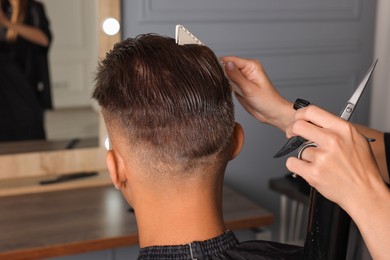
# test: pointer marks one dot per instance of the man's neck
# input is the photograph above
(190, 214)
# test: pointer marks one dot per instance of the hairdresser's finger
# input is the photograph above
(309, 154)
(319, 117)
(301, 168)
(246, 86)
(251, 69)
(307, 130)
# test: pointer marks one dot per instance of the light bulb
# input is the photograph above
(111, 26)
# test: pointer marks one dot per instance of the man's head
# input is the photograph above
(167, 107)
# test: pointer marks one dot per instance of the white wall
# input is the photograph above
(380, 98)
(316, 50)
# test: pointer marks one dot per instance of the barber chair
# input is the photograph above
(327, 224)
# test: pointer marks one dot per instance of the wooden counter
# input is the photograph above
(67, 222)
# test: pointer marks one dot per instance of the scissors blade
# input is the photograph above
(346, 113)
(296, 141)
(292, 144)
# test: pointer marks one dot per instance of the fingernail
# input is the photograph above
(230, 65)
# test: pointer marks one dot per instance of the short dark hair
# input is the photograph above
(171, 98)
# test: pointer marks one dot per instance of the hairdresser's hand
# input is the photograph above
(259, 97)
(342, 167)
(30, 33)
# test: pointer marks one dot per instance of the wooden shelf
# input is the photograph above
(31, 185)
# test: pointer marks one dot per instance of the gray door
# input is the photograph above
(311, 49)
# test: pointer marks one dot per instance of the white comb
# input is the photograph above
(184, 36)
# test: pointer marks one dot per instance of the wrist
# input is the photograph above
(366, 202)
(371, 217)
(285, 116)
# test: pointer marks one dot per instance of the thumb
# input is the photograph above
(241, 84)
(235, 74)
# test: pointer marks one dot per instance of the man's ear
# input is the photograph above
(238, 140)
(113, 169)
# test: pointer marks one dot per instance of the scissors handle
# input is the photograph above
(300, 152)
(304, 147)
(296, 141)
(300, 103)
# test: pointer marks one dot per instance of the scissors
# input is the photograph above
(296, 141)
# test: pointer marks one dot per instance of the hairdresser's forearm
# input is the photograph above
(378, 147)
(371, 214)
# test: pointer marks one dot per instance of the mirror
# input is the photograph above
(59, 160)
(73, 121)
(72, 59)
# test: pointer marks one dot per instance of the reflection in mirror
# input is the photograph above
(22, 170)
(73, 59)
(73, 122)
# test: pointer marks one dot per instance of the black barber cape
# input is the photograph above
(225, 246)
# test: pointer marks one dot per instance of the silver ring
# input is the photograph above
(301, 149)
(305, 146)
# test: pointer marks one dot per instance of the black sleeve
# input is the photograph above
(40, 56)
(40, 20)
(387, 150)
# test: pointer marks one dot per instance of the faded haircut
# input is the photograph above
(172, 101)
